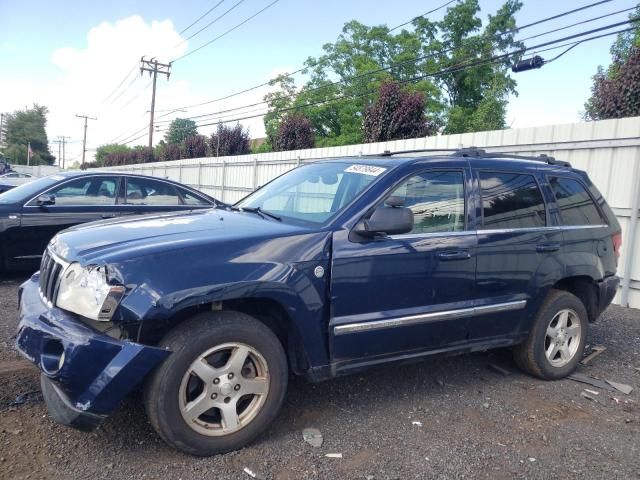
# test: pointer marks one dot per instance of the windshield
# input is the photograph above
(313, 193)
(28, 190)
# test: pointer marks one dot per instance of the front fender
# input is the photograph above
(268, 271)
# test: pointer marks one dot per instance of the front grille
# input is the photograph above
(50, 271)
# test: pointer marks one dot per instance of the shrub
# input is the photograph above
(229, 141)
(397, 114)
(294, 133)
(195, 147)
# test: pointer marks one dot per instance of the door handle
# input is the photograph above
(454, 255)
(547, 247)
(108, 215)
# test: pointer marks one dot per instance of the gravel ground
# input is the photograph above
(474, 423)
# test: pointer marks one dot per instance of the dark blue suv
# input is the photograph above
(333, 267)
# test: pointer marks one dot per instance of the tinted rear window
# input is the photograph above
(511, 200)
(575, 204)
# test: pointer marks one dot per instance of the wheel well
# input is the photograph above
(265, 310)
(585, 289)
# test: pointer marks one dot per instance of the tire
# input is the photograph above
(175, 394)
(540, 355)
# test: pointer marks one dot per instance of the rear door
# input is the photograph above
(516, 249)
(406, 294)
(77, 201)
(585, 232)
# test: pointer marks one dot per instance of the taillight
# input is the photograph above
(617, 243)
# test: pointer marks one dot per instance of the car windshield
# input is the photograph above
(27, 190)
(313, 193)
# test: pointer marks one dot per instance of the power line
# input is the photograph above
(202, 16)
(210, 23)
(395, 65)
(121, 82)
(122, 92)
(589, 20)
(563, 14)
(423, 15)
(301, 69)
(226, 32)
(144, 89)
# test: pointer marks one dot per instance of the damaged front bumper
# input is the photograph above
(85, 373)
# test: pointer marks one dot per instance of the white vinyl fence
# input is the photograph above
(608, 150)
(36, 170)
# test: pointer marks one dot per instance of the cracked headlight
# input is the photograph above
(86, 291)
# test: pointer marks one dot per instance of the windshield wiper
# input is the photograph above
(260, 212)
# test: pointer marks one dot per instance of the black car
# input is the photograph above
(31, 214)
(332, 267)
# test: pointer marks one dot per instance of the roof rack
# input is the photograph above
(475, 152)
(389, 153)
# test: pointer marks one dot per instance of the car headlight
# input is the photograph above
(86, 291)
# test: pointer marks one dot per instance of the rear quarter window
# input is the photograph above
(575, 204)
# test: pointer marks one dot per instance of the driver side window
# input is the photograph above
(86, 191)
(436, 199)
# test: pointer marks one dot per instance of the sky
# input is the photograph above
(81, 57)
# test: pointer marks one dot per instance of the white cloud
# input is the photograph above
(87, 76)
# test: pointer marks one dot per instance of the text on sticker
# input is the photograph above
(365, 170)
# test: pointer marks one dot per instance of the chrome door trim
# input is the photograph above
(427, 317)
(557, 228)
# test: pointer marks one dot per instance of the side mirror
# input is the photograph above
(46, 199)
(392, 219)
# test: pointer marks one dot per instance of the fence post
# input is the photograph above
(224, 170)
(200, 176)
(180, 173)
(255, 173)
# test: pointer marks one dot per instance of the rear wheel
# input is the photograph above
(556, 341)
(221, 387)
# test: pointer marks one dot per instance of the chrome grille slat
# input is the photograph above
(51, 269)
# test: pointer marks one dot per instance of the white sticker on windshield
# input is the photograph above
(365, 170)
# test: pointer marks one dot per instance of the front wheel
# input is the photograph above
(557, 338)
(221, 387)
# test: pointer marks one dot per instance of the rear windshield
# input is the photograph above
(26, 191)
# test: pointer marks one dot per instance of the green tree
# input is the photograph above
(476, 97)
(103, 151)
(28, 127)
(179, 130)
(281, 98)
(432, 58)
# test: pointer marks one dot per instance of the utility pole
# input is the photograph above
(59, 150)
(84, 139)
(153, 67)
(1, 129)
(62, 138)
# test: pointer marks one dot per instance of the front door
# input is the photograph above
(402, 295)
(77, 201)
